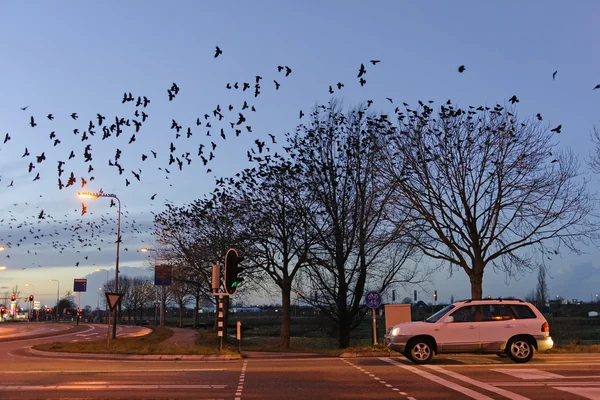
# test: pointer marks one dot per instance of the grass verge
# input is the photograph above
(150, 344)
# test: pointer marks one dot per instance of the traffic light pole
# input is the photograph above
(220, 321)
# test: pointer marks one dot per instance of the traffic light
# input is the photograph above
(30, 297)
(13, 297)
(232, 271)
(47, 309)
(3, 310)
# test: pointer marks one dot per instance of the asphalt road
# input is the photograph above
(568, 376)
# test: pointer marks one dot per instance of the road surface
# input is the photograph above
(27, 376)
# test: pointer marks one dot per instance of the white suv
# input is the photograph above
(500, 326)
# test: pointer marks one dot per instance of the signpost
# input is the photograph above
(112, 299)
(162, 277)
(373, 301)
(79, 285)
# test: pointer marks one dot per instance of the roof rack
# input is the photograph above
(496, 299)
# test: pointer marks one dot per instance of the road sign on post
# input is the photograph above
(373, 301)
(162, 275)
(112, 299)
(79, 285)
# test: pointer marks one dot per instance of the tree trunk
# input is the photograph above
(343, 335)
(284, 337)
(196, 309)
(180, 315)
(476, 279)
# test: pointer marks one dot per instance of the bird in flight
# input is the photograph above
(554, 75)
(596, 87)
(557, 129)
(361, 71)
(461, 69)
(374, 62)
(218, 51)
(24, 108)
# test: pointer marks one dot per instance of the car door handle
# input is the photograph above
(509, 326)
(472, 327)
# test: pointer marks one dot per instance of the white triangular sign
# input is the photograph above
(112, 299)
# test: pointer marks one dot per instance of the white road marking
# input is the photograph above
(529, 374)
(482, 385)
(376, 378)
(545, 383)
(110, 371)
(241, 379)
(108, 387)
(451, 385)
(588, 393)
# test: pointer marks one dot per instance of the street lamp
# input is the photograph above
(57, 294)
(1, 248)
(162, 305)
(91, 195)
(30, 307)
(104, 269)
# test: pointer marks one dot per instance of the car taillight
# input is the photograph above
(545, 327)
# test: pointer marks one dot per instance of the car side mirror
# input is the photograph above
(449, 319)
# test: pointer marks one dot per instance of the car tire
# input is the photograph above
(419, 351)
(520, 349)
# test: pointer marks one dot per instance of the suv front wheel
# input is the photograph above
(520, 349)
(419, 351)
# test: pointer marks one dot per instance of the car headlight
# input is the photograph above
(395, 331)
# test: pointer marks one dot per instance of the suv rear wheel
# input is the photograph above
(520, 349)
(419, 351)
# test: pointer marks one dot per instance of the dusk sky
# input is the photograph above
(78, 57)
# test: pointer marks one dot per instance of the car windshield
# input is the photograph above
(435, 317)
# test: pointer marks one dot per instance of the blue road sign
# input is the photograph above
(373, 299)
(162, 275)
(79, 285)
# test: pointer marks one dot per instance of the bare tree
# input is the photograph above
(357, 248)
(273, 211)
(541, 290)
(483, 188)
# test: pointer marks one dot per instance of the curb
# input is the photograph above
(153, 357)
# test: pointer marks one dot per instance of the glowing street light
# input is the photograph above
(2, 267)
(92, 195)
(1, 248)
(162, 305)
(57, 294)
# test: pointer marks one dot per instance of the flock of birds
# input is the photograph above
(210, 128)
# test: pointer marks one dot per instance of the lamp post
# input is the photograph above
(57, 294)
(91, 195)
(162, 321)
(30, 307)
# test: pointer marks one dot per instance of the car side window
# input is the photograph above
(522, 311)
(496, 312)
(465, 314)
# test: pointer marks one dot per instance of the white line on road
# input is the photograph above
(377, 378)
(111, 371)
(588, 393)
(108, 387)
(482, 385)
(451, 385)
(528, 374)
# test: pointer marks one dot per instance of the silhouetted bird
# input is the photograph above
(554, 75)
(557, 129)
(374, 62)
(461, 69)
(218, 51)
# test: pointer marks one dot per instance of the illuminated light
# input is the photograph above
(2, 267)
(1, 248)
